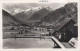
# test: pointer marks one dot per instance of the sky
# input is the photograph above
(11, 6)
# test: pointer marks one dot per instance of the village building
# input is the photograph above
(66, 29)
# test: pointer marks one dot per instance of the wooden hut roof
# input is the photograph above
(61, 24)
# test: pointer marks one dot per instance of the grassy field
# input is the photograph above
(7, 33)
(31, 42)
(27, 43)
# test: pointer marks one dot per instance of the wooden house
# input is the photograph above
(65, 30)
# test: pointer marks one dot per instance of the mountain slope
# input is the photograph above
(54, 15)
(37, 16)
(8, 19)
(24, 15)
(69, 10)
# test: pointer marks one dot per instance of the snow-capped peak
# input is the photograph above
(18, 10)
(34, 8)
(38, 8)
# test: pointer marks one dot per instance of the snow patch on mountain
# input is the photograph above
(18, 10)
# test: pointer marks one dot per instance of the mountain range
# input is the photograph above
(36, 14)
(68, 11)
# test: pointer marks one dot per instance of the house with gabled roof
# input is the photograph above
(65, 30)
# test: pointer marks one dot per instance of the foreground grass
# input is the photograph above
(27, 43)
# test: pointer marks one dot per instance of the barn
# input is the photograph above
(66, 29)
